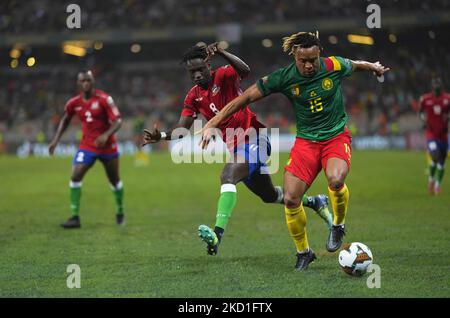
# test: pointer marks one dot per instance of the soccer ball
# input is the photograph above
(355, 258)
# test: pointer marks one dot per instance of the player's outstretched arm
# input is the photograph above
(62, 126)
(155, 135)
(377, 68)
(240, 66)
(251, 94)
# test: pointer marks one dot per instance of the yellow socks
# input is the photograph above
(339, 201)
(296, 223)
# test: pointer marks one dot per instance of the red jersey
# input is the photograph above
(437, 110)
(96, 115)
(224, 87)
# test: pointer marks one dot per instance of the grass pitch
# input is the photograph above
(158, 253)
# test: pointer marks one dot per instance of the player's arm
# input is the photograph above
(422, 113)
(103, 138)
(115, 122)
(177, 132)
(251, 94)
(376, 67)
(62, 126)
(240, 66)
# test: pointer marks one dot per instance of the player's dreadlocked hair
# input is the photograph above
(302, 40)
(195, 52)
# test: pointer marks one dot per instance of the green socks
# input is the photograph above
(227, 202)
(432, 170)
(75, 195)
(118, 195)
(439, 174)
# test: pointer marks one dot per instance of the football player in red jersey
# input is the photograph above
(434, 111)
(100, 119)
(212, 91)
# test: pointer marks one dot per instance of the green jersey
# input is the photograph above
(317, 100)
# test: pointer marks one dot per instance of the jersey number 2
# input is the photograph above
(88, 116)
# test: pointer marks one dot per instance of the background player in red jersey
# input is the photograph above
(213, 90)
(100, 119)
(434, 110)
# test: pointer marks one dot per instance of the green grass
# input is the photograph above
(158, 253)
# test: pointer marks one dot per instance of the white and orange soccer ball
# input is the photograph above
(355, 258)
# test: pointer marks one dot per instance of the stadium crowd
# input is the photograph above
(45, 15)
(157, 93)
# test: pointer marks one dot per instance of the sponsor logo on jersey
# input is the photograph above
(78, 108)
(327, 84)
(94, 105)
(295, 90)
(446, 102)
(199, 99)
(215, 90)
(110, 101)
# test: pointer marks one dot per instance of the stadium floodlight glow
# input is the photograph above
(98, 45)
(393, 38)
(135, 48)
(31, 61)
(74, 50)
(267, 43)
(360, 39)
(15, 53)
(14, 63)
(333, 39)
(431, 34)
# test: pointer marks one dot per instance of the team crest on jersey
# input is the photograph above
(295, 90)
(94, 105)
(215, 90)
(327, 84)
(445, 101)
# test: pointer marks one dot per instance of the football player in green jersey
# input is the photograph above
(313, 85)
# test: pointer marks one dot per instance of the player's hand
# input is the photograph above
(211, 50)
(51, 148)
(151, 136)
(207, 133)
(379, 69)
(101, 141)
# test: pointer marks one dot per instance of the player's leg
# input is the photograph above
(294, 189)
(336, 156)
(336, 171)
(300, 171)
(433, 150)
(111, 165)
(261, 185)
(440, 166)
(232, 174)
(81, 164)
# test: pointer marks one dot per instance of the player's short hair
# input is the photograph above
(86, 71)
(301, 40)
(194, 52)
